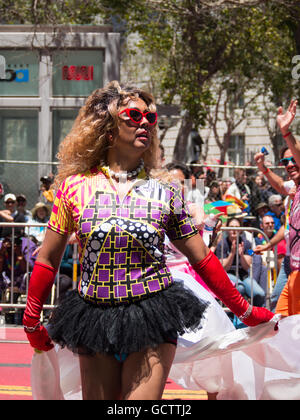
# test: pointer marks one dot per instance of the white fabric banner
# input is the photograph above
(257, 363)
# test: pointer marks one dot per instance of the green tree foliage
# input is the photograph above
(196, 42)
(191, 42)
(51, 12)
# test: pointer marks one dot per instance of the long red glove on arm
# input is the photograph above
(40, 284)
(214, 275)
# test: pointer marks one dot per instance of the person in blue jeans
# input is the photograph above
(226, 251)
(282, 279)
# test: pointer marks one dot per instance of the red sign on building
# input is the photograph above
(78, 73)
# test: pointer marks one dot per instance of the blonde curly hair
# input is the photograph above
(87, 143)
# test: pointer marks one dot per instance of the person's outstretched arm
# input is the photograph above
(207, 265)
(284, 121)
(40, 284)
(276, 181)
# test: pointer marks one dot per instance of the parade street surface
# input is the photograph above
(15, 382)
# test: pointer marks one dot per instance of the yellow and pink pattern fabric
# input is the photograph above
(121, 241)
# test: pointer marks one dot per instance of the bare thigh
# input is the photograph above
(144, 374)
(100, 377)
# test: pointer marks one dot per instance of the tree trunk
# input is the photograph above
(223, 151)
(297, 37)
(222, 160)
(186, 126)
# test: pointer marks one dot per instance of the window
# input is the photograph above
(63, 120)
(236, 150)
(22, 73)
(279, 141)
(19, 142)
(76, 73)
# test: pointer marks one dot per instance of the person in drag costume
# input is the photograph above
(128, 311)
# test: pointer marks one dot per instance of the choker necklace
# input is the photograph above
(130, 174)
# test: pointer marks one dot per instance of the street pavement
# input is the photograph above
(15, 363)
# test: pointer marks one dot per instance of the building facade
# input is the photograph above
(47, 76)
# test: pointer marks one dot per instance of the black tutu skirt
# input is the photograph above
(87, 328)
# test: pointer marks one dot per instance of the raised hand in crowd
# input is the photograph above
(276, 181)
(284, 121)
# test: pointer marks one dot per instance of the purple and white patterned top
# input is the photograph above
(121, 243)
(295, 232)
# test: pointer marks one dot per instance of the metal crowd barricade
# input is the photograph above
(27, 256)
(55, 289)
(268, 259)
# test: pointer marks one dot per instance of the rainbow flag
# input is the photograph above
(235, 200)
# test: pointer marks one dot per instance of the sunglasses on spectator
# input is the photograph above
(9, 202)
(137, 116)
(286, 161)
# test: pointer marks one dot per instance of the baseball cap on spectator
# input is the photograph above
(11, 197)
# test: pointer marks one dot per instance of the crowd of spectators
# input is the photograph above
(18, 244)
(253, 203)
(26, 242)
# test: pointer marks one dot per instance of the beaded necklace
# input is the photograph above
(130, 174)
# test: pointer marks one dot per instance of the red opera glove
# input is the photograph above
(214, 275)
(39, 338)
(40, 284)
